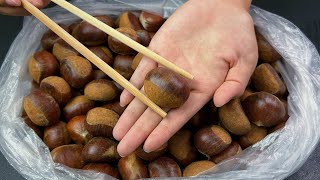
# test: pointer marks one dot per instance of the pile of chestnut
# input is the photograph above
(73, 106)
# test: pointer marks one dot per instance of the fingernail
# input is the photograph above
(121, 104)
(37, 3)
(146, 151)
(13, 2)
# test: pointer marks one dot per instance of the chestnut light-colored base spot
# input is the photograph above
(103, 116)
(234, 118)
(265, 78)
(197, 167)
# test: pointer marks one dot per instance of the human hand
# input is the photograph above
(213, 40)
(13, 7)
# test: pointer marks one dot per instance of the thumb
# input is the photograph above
(236, 81)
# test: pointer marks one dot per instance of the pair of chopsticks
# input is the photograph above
(95, 59)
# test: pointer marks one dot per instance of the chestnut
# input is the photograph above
(264, 109)
(68, 155)
(42, 64)
(77, 106)
(77, 130)
(265, 78)
(58, 88)
(77, 71)
(100, 149)
(101, 121)
(115, 106)
(151, 22)
(212, 140)
(266, 52)
(100, 90)
(164, 167)
(129, 20)
(49, 38)
(233, 118)
(197, 167)
(166, 88)
(232, 150)
(89, 34)
(103, 168)
(144, 37)
(118, 47)
(255, 135)
(132, 167)
(61, 50)
(41, 108)
(33, 126)
(98, 74)
(103, 53)
(122, 64)
(151, 155)
(136, 61)
(181, 147)
(56, 135)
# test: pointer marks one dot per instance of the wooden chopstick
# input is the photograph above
(91, 56)
(122, 38)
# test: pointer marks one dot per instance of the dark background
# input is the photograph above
(305, 15)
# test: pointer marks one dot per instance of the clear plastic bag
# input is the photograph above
(275, 157)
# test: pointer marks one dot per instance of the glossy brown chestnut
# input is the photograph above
(234, 118)
(101, 121)
(79, 105)
(77, 71)
(144, 37)
(115, 106)
(58, 88)
(118, 47)
(62, 50)
(197, 167)
(166, 88)
(255, 135)
(122, 64)
(41, 108)
(151, 155)
(212, 140)
(266, 52)
(100, 90)
(41, 65)
(33, 126)
(151, 22)
(129, 20)
(56, 135)
(132, 167)
(136, 61)
(265, 78)
(181, 147)
(98, 74)
(232, 150)
(68, 155)
(103, 168)
(49, 38)
(100, 149)
(77, 130)
(89, 34)
(164, 167)
(264, 109)
(103, 53)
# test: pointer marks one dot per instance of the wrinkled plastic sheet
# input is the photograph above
(275, 157)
